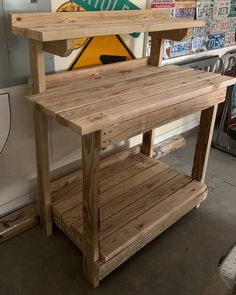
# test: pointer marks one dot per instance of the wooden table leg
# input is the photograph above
(91, 144)
(148, 142)
(44, 197)
(155, 59)
(38, 85)
(206, 128)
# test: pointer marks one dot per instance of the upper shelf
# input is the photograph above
(60, 26)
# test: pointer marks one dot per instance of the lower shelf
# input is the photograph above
(139, 198)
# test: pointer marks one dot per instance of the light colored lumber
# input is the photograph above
(61, 48)
(105, 85)
(37, 65)
(161, 225)
(27, 19)
(147, 143)
(147, 101)
(18, 222)
(53, 27)
(128, 184)
(114, 159)
(206, 128)
(175, 35)
(90, 157)
(155, 59)
(157, 47)
(105, 95)
(146, 222)
(71, 195)
(62, 78)
(152, 194)
(109, 96)
(135, 166)
(154, 178)
(41, 136)
(130, 128)
(170, 145)
(151, 198)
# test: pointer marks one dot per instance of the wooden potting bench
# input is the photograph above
(115, 206)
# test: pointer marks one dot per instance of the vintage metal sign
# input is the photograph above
(199, 31)
(163, 4)
(230, 39)
(175, 49)
(199, 44)
(102, 50)
(99, 50)
(204, 10)
(220, 26)
(221, 9)
(97, 5)
(185, 9)
(216, 41)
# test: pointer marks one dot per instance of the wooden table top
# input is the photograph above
(61, 26)
(94, 103)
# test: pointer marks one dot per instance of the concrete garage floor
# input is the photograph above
(181, 261)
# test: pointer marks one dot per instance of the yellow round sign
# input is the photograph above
(73, 7)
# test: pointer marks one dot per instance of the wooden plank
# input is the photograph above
(180, 210)
(71, 195)
(146, 223)
(114, 159)
(104, 84)
(62, 78)
(64, 27)
(168, 146)
(155, 177)
(156, 55)
(148, 102)
(71, 216)
(90, 157)
(41, 136)
(18, 222)
(64, 48)
(113, 95)
(130, 128)
(206, 128)
(147, 143)
(68, 212)
(37, 67)
(155, 59)
(82, 94)
(117, 221)
(175, 35)
(130, 183)
(61, 48)
(36, 19)
(131, 170)
(76, 238)
(121, 93)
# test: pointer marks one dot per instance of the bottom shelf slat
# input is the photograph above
(144, 223)
(106, 268)
(133, 209)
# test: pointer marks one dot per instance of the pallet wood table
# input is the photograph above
(113, 207)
